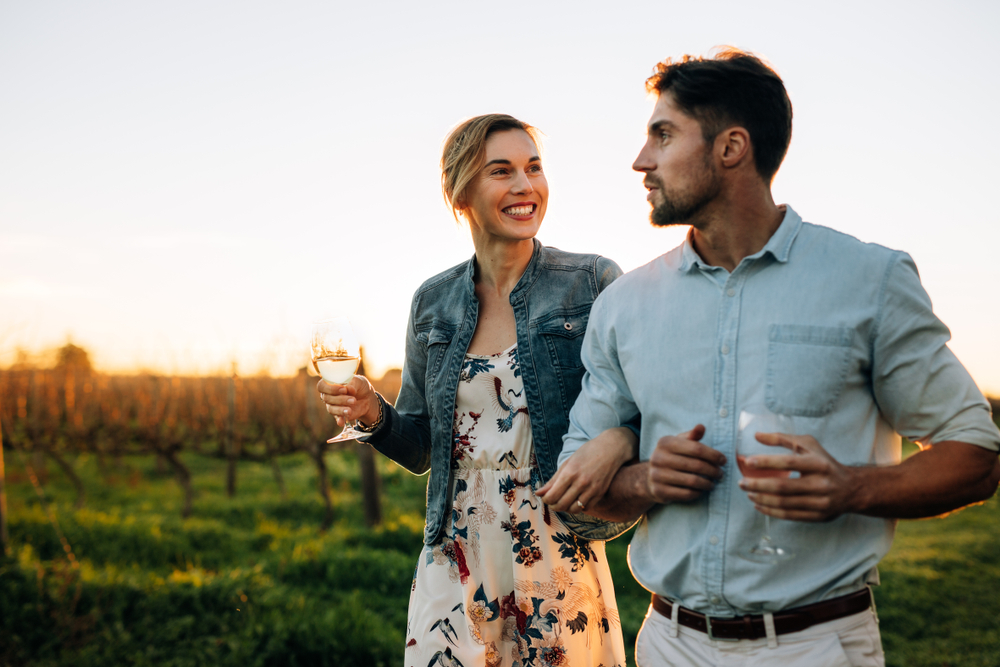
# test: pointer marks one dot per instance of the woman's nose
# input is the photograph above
(521, 184)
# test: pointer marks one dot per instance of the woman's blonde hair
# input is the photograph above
(465, 151)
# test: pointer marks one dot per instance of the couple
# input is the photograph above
(756, 306)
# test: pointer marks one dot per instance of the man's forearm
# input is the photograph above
(935, 481)
(627, 498)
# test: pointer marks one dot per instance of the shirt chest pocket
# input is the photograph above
(563, 336)
(806, 368)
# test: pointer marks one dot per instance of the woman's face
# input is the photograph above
(506, 199)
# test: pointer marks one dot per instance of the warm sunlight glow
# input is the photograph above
(180, 195)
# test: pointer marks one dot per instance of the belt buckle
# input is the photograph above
(708, 625)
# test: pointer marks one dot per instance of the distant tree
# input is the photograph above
(74, 358)
(22, 360)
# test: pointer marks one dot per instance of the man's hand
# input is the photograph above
(937, 480)
(824, 490)
(682, 469)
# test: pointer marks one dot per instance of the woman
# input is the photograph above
(492, 369)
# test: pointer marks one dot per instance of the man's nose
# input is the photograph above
(643, 161)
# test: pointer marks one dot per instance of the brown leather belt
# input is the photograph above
(751, 626)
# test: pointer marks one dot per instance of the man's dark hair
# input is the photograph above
(731, 88)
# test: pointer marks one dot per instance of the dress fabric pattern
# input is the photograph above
(508, 585)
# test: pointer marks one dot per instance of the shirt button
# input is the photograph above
(731, 292)
(723, 413)
(713, 540)
(715, 599)
(725, 349)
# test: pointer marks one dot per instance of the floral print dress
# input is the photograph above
(508, 585)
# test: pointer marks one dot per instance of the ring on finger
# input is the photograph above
(580, 505)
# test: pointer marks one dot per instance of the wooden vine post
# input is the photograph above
(231, 445)
(371, 484)
(318, 451)
(4, 541)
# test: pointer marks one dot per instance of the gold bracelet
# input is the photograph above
(378, 420)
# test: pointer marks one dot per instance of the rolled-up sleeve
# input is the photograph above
(921, 387)
(605, 400)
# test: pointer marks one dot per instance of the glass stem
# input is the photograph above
(767, 528)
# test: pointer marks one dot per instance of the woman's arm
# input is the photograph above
(587, 474)
(404, 434)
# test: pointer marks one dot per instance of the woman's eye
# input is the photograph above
(498, 172)
(535, 169)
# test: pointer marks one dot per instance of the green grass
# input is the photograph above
(246, 581)
(251, 581)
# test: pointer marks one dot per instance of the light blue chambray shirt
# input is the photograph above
(837, 333)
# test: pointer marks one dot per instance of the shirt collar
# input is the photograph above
(779, 246)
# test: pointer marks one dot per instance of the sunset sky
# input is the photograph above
(188, 184)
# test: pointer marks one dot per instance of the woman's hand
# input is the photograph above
(355, 400)
(585, 477)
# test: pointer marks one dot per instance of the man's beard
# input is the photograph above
(681, 209)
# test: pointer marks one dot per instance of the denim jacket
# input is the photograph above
(551, 303)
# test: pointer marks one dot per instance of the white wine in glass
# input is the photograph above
(336, 354)
(337, 370)
(756, 419)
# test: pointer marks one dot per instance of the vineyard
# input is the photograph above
(205, 521)
(67, 411)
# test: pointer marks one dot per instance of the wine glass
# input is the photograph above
(336, 354)
(756, 419)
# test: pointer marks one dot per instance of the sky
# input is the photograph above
(187, 185)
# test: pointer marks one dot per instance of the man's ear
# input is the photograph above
(733, 146)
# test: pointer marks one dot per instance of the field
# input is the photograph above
(250, 579)
(203, 521)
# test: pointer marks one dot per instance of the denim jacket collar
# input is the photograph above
(527, 278)
(524, 282)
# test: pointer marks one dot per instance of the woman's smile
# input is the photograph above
(521, 211)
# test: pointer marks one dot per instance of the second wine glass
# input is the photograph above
(756, 419)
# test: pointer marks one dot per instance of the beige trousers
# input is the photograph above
(852, 641)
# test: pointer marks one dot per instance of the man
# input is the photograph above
(758, 307)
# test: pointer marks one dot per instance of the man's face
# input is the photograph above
(680, 174)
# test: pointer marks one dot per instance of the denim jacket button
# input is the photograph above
(568, 326)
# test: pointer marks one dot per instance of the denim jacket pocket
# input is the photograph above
(437, 339)
(562, 369)
(806, 368)
(563, 332)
